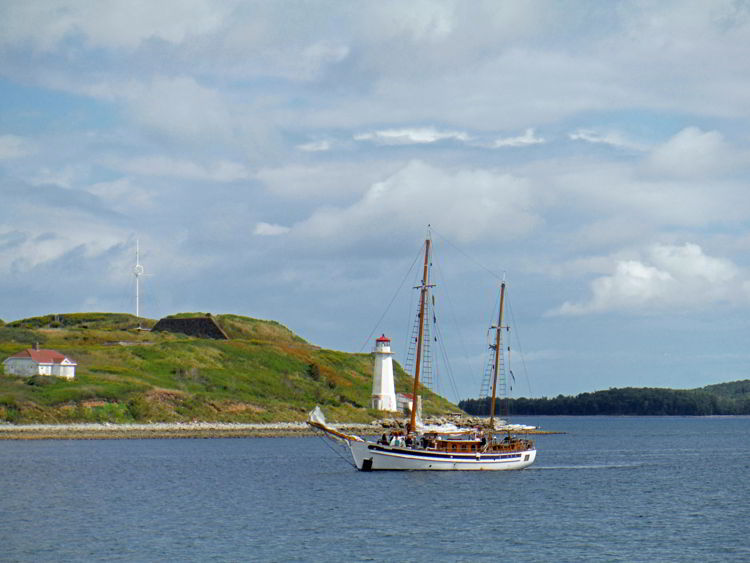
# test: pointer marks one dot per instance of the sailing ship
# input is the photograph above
(488, 448)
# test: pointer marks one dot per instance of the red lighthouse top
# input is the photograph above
(383, 338)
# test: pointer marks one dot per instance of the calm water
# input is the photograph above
(612, 489)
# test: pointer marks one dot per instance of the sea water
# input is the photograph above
(609, 489)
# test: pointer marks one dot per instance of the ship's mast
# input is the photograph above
(422, 304)
(498, 352)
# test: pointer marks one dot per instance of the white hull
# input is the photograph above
(372, 456)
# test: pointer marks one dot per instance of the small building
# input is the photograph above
(35, 361)
(405, 401)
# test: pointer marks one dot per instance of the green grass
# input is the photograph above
(265, 373)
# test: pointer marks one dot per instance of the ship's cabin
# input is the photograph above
(460, 446)
(457, 443)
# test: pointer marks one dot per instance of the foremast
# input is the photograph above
(420, 338)
(498, 352)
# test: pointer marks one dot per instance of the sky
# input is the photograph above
(283, 160)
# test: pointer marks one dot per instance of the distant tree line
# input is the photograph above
(625, 401)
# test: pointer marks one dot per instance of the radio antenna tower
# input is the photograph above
(138, 272)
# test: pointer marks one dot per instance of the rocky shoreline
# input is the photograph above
(102, 431)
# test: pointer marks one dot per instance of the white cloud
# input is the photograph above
(12, 146)
(693, 153)
(612, 138)
(410, 136)
(329, 181)
(181, 107)
(270, 229)
(463, 204)
(315, 146)
(122, 195)
(39, 244)
(67, 176)
(421, 19)
(622, 192)
(176, 106)
(528, 138)
(669, 276)
(219, 171)
(429, 135)
(322, 53)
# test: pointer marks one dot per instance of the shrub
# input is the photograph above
(138, 408)
(313, 372)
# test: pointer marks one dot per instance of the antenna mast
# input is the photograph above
(137, 272)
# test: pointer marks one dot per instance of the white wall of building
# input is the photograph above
(26, 367)
(65, 369)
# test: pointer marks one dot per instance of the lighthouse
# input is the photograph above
(383, 390)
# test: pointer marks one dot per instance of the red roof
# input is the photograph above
(383, 338)
(41, 356)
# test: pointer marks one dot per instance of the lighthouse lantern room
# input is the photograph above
(383, 389)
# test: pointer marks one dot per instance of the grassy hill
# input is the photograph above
(264, 373)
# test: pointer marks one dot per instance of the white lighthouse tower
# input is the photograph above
(383, 389)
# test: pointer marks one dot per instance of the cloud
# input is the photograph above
(322, 53)
(622, 192)
(611, 138)
(122, 195)
(693, 153)
(410, 136)
(669, 277)
(12, 146)
(174, 106)
(325, 181)
(430, 135)
(462, 204)
(218, 171)
(108, 23)
(421, 20)
(528, 138)
(181, 107)
(315, 146)
(270, 230)
(67, 176)
(41, 224)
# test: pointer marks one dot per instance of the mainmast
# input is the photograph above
(498, 352)
(418, 362)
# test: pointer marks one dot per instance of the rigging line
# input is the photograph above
(369, 336)
(520, 349)
(486, 356)
(455, 321)
(493, 316)
(410, 323)
(336, 451)
(448, 367)
(477, 262)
